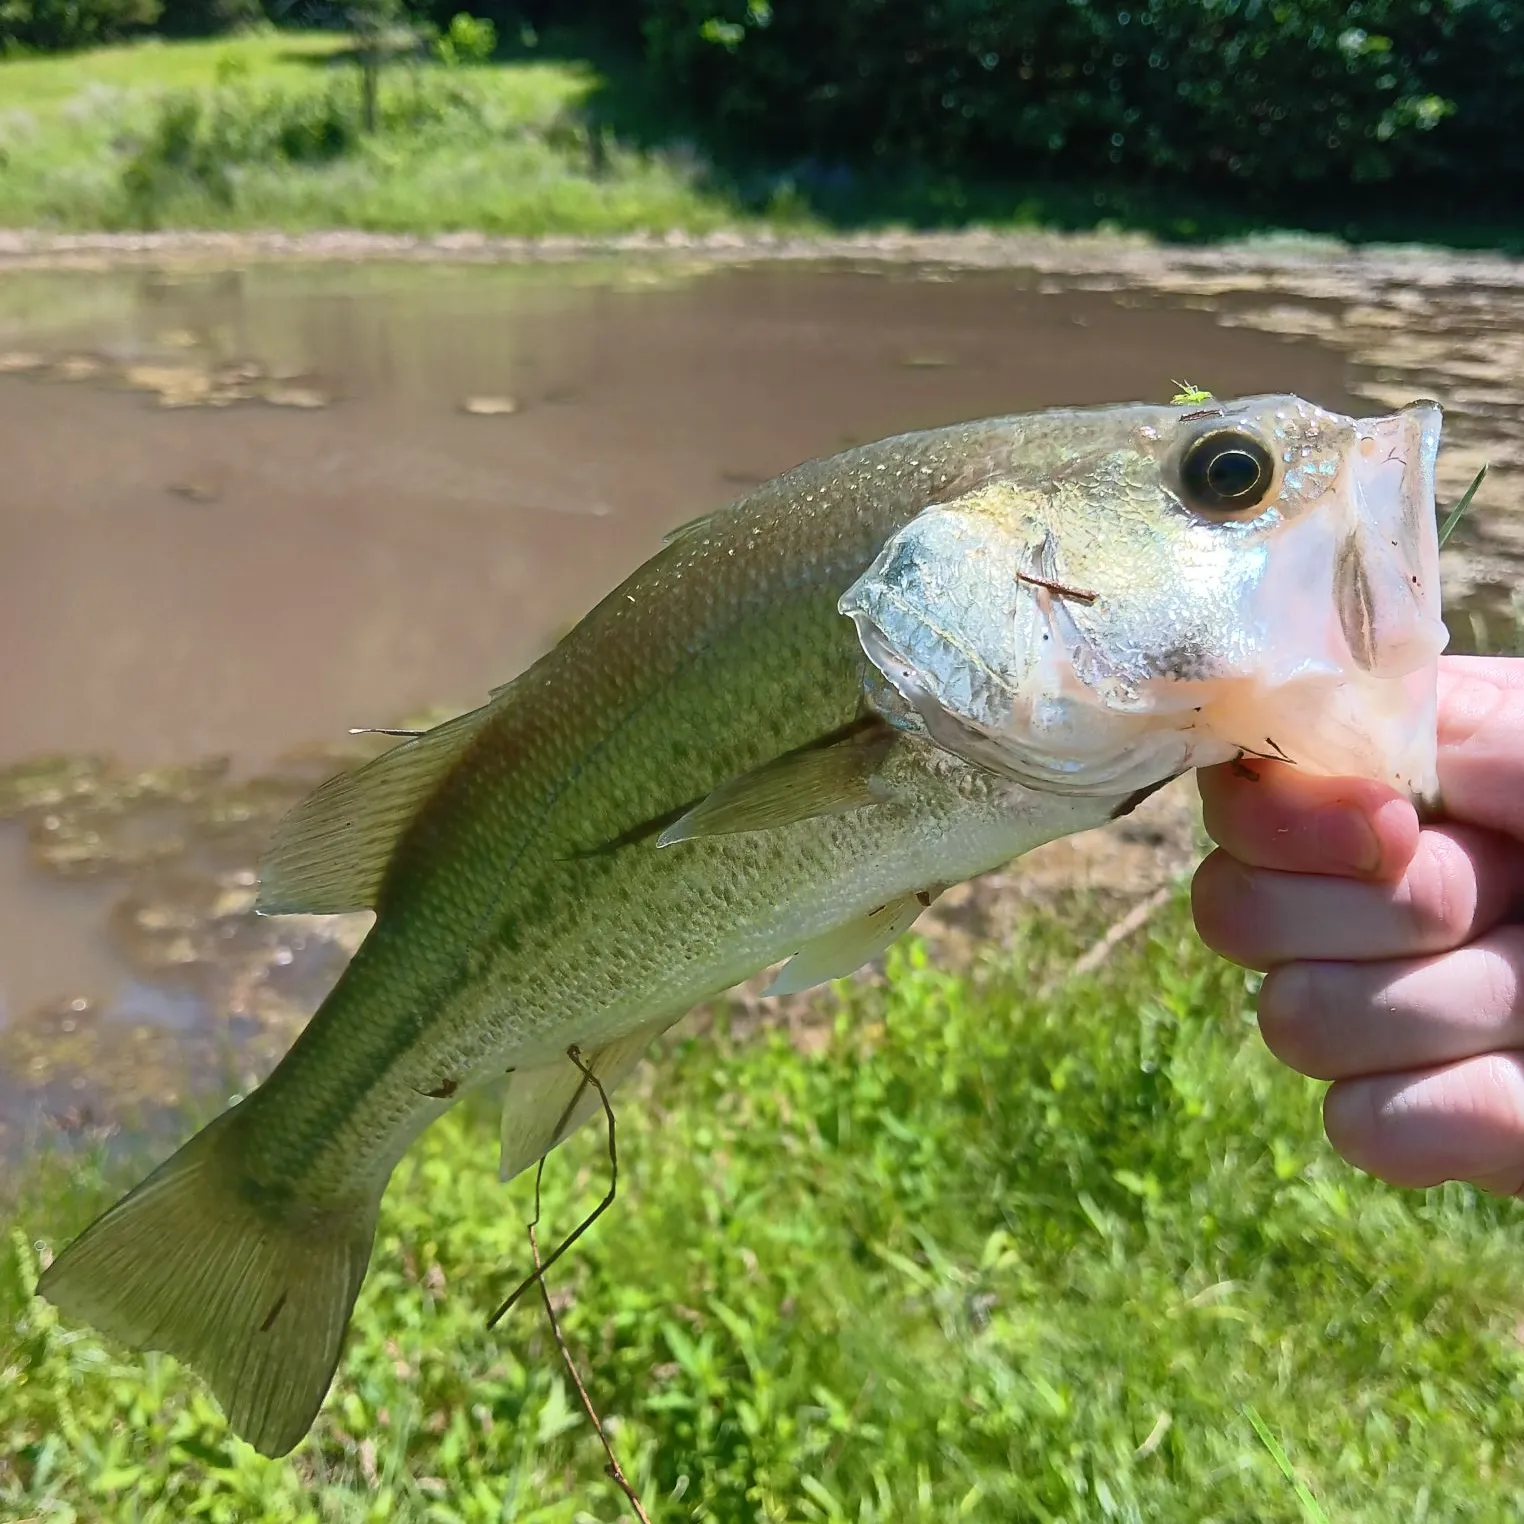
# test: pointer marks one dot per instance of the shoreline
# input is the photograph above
(972, 249)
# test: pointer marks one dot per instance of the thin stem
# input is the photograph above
(614, 1469)
(574, 1054)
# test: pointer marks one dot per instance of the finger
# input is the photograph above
(1500, 671)
(1481, 743)
(1274, 816)
(1341, 1020)
(1460, 883)
(1461, 1122)
(1270, 815)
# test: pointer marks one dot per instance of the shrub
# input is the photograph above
(1264, 97)
(467, 40)
(196, 143)
(50, 25)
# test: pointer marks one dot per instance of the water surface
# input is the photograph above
(246, 510)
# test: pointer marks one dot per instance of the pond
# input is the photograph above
(245, 510)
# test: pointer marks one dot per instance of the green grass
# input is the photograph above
(503, 148)
(45, 83)
(980, 1255)
(561, 138)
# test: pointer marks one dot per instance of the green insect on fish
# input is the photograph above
(876, 676)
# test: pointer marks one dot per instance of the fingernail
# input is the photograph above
(1347, 839)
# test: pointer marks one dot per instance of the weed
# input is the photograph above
(983, 1255)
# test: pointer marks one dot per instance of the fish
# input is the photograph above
(810, 712)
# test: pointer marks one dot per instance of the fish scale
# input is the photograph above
(876, 676)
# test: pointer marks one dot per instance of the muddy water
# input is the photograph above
(243, 511)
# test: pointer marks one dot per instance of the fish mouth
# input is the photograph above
(1325, 653)
(1363, 703)
(1386, 575)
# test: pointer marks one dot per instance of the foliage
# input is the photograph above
(968, 1251)
(195, 143)
(1301, 110)
(53, 25)
(1268, 99)
(467, 40)
(556, 146)
(264, 131)
(206, 18)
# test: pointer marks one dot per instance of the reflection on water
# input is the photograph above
(246, 510)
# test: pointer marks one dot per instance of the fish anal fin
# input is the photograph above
(544, 1104)
(330, 852)
(253, 1297)
(845, 949)
(803, 785)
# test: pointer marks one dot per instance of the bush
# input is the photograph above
(1264, 98)
(51, 25)
(467, 40)
(208, 18)
(196, 143)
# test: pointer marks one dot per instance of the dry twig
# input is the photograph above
(614, 1470)
(1135, 919)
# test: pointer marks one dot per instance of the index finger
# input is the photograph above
(1269, 815)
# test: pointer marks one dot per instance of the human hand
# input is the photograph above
(1395, 955)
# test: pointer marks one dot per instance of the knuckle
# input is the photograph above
(1496, 974)
(1497, 1098)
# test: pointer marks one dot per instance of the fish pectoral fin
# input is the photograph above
(330, 852)
(844, 950)
(545, 1104)
(804, 784)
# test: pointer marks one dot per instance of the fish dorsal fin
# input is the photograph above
(543, 1105)
(845, 950)
(821, 779)
(330, 852)
(692, 526)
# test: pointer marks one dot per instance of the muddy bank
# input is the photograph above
(194, 995)
(972, 248)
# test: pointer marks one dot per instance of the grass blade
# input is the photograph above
(1454, 516)
(1312, 1510)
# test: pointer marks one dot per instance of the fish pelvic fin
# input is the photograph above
(544, 1105)
(331, 852)
(845, 949)
(254, 1298)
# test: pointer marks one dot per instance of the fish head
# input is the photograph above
(1141, 590)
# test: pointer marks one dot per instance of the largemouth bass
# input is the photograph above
(876, 676)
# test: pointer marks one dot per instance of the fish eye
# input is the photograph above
(1226, 472)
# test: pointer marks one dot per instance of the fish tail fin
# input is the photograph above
(254, 1295)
